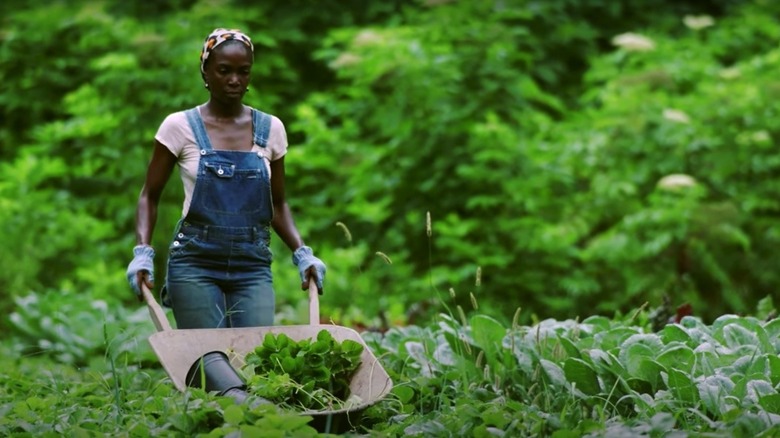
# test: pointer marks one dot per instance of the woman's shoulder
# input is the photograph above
(277, 136)
(174, 131)
(276, 124)
(274, 119)
(176, 118)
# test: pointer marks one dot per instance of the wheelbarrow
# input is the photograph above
(180, 352)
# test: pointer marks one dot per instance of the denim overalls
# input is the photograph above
(219, 264)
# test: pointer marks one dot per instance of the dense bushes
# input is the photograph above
(534, 142)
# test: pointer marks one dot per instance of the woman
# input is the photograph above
(231, 160)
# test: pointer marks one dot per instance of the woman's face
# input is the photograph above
(227, 71)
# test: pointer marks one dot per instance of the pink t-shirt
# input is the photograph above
(175, 134)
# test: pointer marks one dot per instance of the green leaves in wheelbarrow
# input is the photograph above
(309, 374)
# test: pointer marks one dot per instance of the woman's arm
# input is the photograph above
(282, 222)
(308, 266)
(157, 175)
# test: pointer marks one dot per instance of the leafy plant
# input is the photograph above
(308, 374)
(73, 328)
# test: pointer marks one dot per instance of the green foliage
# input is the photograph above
(537, 141)
(470, 376)
(40, 398)
(311, 374)
(569, 378)
(73, 328)
(457, 113)
(581, 158)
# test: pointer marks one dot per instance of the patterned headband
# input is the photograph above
(219, 36)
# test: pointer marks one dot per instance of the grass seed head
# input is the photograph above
(347, 234)
(384, 257)
(473, 301)
(462, 315)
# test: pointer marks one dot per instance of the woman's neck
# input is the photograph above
(224, 111)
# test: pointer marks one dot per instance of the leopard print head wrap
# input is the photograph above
(219, 36)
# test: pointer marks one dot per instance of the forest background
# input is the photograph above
(565, 157)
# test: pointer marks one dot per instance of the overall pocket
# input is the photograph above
(180, 243)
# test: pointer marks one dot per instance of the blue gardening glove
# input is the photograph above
(143, 261)
(304, 259)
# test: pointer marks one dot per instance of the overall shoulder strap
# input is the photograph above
(198, 128)
(262, 127)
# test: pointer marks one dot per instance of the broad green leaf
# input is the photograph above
(735, 336)
(270, 342)
(771, 403)
(570, 347)
(233, 414)
(487, 331)
(319, 347)
(714, 392)
(650, 371)
(553, 372)
(352, 348)
(182, 422)
(637, 348)
(774, 368)
(496, 416)
(634, 356)
(674, 333)
(682, 387)
(404, 393)
(582, 375)
(677, 356)
(765, 307)
(325, 336)
(639, 385)
(599, 322)
(615, 337)
(772, 329)
(488, 334)
(758, 387)
(739, 331)
(288, 365)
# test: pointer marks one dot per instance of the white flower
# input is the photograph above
(633, 42)
(367, 37)
(698, 22)
(345, 59)
(730, 73)
(678, 116)
(676, 181)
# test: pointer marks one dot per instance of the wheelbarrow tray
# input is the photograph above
(179, 349)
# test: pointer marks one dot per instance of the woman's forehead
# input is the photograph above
(232, 52)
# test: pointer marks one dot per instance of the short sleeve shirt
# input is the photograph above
(175, 134)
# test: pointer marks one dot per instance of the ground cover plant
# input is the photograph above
(463, 374)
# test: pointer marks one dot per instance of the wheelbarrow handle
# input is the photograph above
(314, 303)
(155, 311)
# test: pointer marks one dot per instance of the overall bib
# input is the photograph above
(219, 263)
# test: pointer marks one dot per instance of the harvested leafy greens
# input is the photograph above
(311, 374)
